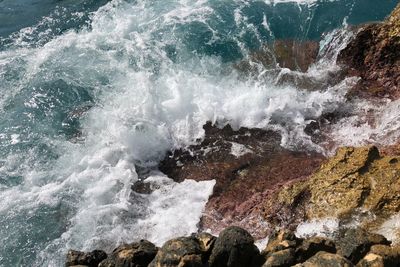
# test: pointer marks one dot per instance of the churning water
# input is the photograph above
(93, 93)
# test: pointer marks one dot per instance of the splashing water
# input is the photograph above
(93, 97)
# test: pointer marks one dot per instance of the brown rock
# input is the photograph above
(311, 246)
(354, 244)
(354, 179)
(138, 254)
(371, 260)
(242, 182)
(182, 252)
(90, 259)
(284, 239)
(325, 259)
(282, 258)
(374, 55)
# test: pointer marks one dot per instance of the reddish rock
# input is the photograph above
(243, 182)
(374, 55)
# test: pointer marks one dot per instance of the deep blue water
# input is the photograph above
(90, 90)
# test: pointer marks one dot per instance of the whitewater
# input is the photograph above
(92, 100)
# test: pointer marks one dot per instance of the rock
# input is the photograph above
(90, 259)
(374, 55)
(325, 259)
(138, 254)
(182, 252)
(311, 246)
(354, 179)
(354, 244)
(282, 258)
(207, 242)
(381, 254)
(284, 239)
(295, 55)
(244, 180)
(372, 260)
(234, 248)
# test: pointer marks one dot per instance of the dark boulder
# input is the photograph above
(312, 246)
(235, 248)
(90, 259)
(138, 254)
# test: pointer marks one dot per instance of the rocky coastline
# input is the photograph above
(264, 189)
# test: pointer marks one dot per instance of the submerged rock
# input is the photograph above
(90, 259)
(235, 248)
(374, 55)
(248, 165)
(354, 179)
(138, 254)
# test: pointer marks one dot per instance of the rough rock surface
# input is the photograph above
(247, 165)
(326, 259)
(354, 179)
(234, 247)
(182, 252)
(374, 55)
(90, 259)
(138, 254)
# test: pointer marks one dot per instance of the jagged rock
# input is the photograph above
(374, 55)
(281, 240)
(207, 242)
(282, 258)
(182, 252)
(244, 180)
(372, 260)
(354, 244)
(325, 259)
(90, 259)
(311, 246)
(354, 179)
(138, 254)
(381, 255)
(235, 248)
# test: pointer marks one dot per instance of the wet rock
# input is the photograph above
(354, 244)
(311, 246)
(182, 252)
(138, 254)
(374, 55)
(207, 242)
(90, 259)
(282, 258)
(325, 259)
(296, 55)
(381, 255)
(354, 179)
(248, 165)
(284, 239)
(235, 248)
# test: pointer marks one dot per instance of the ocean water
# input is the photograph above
(94, 93)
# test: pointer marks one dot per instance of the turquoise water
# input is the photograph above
(93, 91)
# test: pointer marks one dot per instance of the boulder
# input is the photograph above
(354, 244)
(354, 179)
(90, 259)
(234, 248)
(182, 252)
(381, 255)
(326, 259)
(282, 240)
(372, 260)
(281, 258)
(374, 55)
(311, 246)
(138, 254)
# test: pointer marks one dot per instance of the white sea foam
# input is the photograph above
(318, 227)
(391, 229)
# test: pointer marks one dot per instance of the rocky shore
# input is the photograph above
(266, 190)
(234, 247)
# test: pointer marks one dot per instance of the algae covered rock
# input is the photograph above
(138, 254)
(234, 248)
(354, 179)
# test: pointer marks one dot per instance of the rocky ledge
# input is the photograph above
(374, 56)
(234, 247)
